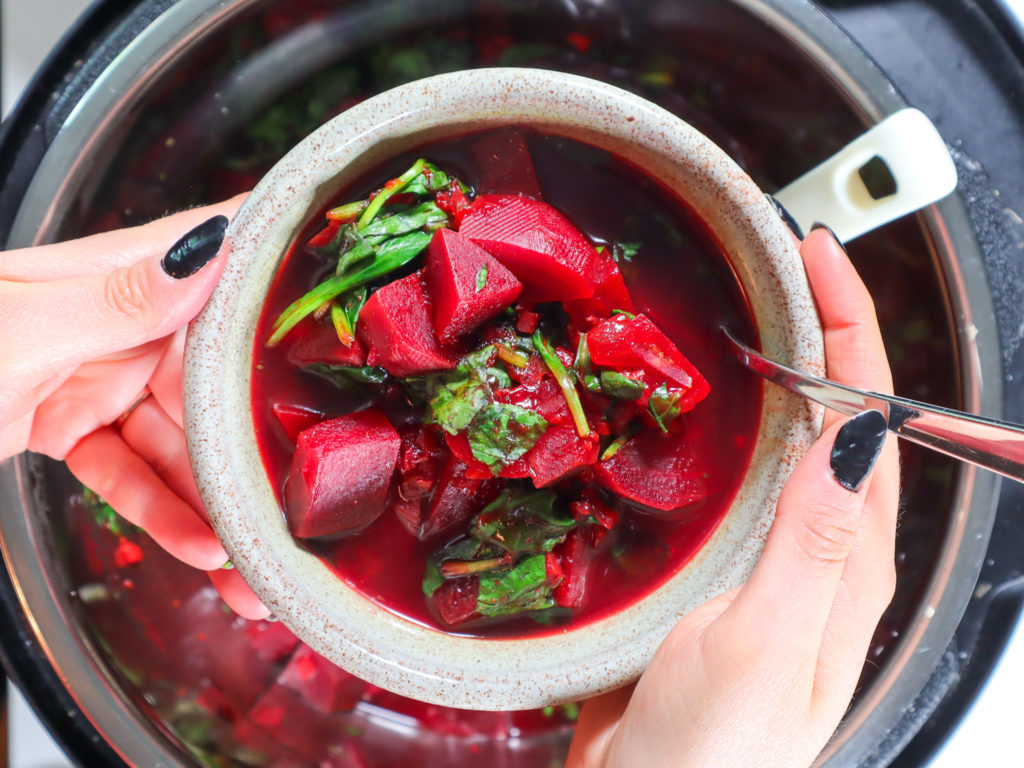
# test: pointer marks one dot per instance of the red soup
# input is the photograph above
(490, 390)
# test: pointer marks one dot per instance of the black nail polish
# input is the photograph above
(196, 249)
(786, 217)
(822, 225)
(856, 448)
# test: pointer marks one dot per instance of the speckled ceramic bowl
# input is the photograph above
(337, 621)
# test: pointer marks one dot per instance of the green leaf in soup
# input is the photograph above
(456, 396)
(464, 550)
(522, 588)
(481, 278)
(500, 433)
(392, 255)
(523, 522)
(425, 216)
(430, 179)
(620, 386)
(664, 406)
(349, 378)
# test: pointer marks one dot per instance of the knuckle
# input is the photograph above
(828, 533)
(126, 294)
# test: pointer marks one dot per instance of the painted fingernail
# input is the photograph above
(822, 225)
(856, 449)
(787, 217)
(196, 249)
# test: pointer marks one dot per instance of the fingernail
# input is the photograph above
(821, 225)
(856, 449)
(787, 217)
(196, 249)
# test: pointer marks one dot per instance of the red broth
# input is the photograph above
(678, 278)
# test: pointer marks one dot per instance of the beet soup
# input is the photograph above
(502, 407)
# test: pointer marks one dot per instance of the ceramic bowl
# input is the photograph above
(339, 622)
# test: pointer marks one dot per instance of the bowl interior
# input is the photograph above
(337, 621)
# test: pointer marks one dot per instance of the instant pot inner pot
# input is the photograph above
(212, 119)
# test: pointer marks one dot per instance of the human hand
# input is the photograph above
(763, 674)
(94, 328)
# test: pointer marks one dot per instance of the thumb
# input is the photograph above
(817, 523)
(60, 324)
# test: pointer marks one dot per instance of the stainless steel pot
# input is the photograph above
(776, 82)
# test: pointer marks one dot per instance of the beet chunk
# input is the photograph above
(455, 600)
(456, 498)
(505, 164)
(537, 243)
(320, 683)
(467, 285)
(655, 470)
(340, 474)
(316, 341)
(396, 326)
(624, 343)
(559, 453)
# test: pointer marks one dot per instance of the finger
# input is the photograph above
(103, 462)
(787, 601)
(165, 383)
(854, 350)
(599, 720)
(94, 396)
(59, 324)
(154, 436)
(237, 595)
(103, 253)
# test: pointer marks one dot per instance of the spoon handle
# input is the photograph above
(990, 443)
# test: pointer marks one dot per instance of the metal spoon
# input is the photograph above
(989, 443)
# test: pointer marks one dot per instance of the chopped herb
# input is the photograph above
(500, 433)
(624, 252)
(565, 382)
(523, 588)
(390, 188)
(457, 396)
(481, 278)
(616, 445)
(349, 377)
(348, 212)
(624, 313)
(513, 358)
(664, 406)
(426, 216)
(583, 367)
(393, 254)
(620, 386)
(523, 522)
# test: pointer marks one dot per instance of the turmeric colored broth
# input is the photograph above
(678, 278)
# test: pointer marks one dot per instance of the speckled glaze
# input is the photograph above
(337, 621)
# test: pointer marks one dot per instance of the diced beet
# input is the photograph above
(271, 640)
(459, 445)
(532, 374)
(546, 398)
(527, 321)
(455, 600)
(321, 684)
(296, 418)
(467, 285)
(395, 323)
(340, 474)
(576, 555)
(456, 498)
(537, 243)
(624, 343)
(325, 236)
(422, 457)
(610, 294)
(559, 453)
(655, 470)
(316, 341)
(504, 163)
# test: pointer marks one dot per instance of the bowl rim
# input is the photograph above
(371, 641)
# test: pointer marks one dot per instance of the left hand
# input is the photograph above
(94, 328)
